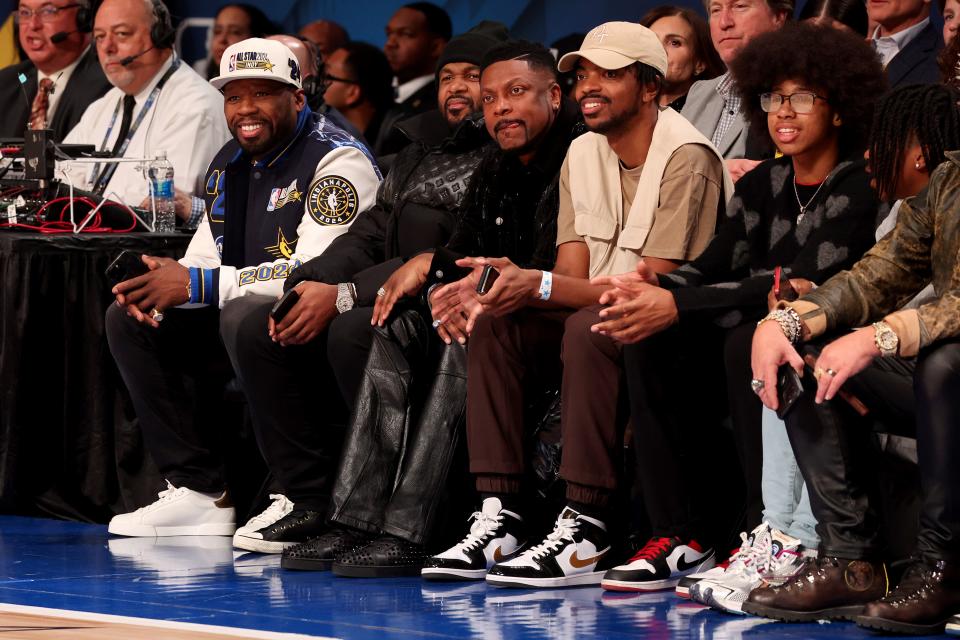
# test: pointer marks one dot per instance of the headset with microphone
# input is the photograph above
(162, 33)
(85, 15)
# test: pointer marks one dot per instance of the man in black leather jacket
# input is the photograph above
(417, 207)
(409, 412)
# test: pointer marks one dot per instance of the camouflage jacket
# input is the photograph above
(924, 247)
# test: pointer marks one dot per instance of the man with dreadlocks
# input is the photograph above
(905, 367)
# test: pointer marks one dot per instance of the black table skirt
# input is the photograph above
(60, 393)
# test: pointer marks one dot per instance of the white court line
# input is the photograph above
(67, 614)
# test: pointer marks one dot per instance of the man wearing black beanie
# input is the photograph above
(418, 204)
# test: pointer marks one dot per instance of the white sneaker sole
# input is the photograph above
(258, 545)
(537, 583)
(653, 585)
(149, 531)
(441, 573)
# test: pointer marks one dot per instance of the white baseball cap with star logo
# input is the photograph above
(258, 59)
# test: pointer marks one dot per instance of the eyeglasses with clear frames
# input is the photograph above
(801, 101)
(46, 13)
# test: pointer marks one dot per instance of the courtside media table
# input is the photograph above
(59, 387)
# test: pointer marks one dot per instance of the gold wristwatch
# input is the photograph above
(886, 339)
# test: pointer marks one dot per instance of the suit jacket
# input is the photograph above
(389, 139)
(917, 62)
(703, 108)
(86, 85)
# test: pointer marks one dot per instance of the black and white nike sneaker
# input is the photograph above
(576, 552)
(279, 507)
(660, 564)
(495, 535)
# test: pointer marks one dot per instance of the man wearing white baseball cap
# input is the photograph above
(278, 194)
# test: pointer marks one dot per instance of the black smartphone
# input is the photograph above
(488, 276)
(789, 389)
(782, 289)
(125, 266)
(282, 306)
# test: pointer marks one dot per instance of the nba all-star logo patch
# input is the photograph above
(332, 200)
(249, 60)
(279, 198)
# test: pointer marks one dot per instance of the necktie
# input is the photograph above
(129, 102)
(41, 102)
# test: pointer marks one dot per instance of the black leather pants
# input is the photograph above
(404, 431)
(832, 445)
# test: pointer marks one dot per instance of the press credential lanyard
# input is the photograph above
(110, 169)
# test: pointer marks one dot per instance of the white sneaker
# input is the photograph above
(743, 554)
(495, 535)
(178, 512)
(777, 557)
(686, 584)
(279, 507)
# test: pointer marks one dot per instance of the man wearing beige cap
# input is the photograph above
(288, 184)
(642, 184)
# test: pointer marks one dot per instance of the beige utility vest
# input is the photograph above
(598, 200)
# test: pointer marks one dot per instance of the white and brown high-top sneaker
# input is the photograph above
(574, 553)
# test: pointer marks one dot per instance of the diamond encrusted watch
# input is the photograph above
(886, 339)
(346, 296)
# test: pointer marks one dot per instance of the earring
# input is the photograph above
(916, 165)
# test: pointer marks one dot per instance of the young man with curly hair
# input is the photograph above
(811, 212)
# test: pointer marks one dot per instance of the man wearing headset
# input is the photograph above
(157, 104)
(62, 75)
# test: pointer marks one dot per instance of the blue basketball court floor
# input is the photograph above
(54, 576)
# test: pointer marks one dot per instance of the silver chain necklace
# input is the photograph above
(796, 193)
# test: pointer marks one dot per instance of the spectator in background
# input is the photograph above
(713, 106)
(950, 64)
(839, 14)
(358, 83)
(905, 40)
(950, 10)
(686, 38)
(326, 34)
(233, 23)
(67, 70)
(416, 36)
(560, 48)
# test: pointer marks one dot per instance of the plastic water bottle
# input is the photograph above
(161, 183)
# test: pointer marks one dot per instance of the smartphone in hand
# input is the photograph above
(488, 276)
(125, 266)
(283, 305)
(782, 289)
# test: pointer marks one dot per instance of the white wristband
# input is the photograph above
(546, 285)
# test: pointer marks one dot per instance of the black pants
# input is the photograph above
(831, 444)
(169, 372)
(294, 398)
(677, 399)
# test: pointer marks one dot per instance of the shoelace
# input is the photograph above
(483, 525)
(563, 530)
(753, 556)
(165, 496)
(275, 511)
(653, 548)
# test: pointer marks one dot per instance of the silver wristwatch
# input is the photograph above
(886, 339)
(346, 296)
